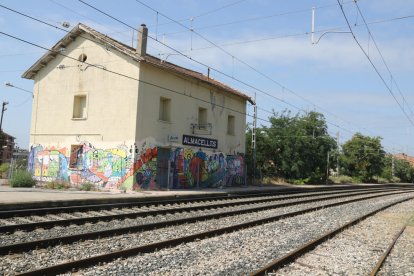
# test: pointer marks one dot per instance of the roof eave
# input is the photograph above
(229, 90)
(52, 53)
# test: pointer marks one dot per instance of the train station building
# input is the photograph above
(112, 115)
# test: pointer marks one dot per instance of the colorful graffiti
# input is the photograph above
(146, 169)
(197, 169)
(105, 168)
(133, 168)
(48, 164)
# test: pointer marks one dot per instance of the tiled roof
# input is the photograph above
(131, 52)
(405, 157)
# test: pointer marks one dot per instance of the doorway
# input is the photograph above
(163, 158)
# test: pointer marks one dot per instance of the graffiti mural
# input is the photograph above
(48, 164)
(196, 169)
(145, 169)
(133, 168)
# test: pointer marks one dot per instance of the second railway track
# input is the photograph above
(201, 230)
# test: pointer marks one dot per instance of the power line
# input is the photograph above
(288, 13)
(196, 61)
(124, 75)
(372, 64)
(246, 64)
(43, 22)
(84, 16)
(382, 57)
(199, 63)
(254, 18)
(218, 71)
(100, 67)
(203, 14)
(217, 9)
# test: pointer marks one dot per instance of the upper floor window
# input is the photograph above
(165, 109)
(79, 107)
(230, 124)
(202, 118)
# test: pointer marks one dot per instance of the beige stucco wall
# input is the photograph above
(111, 99)
(186, 99)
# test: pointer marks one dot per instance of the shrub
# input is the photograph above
(22, 178)
(87, 186)
(4, 169)
(395, 179)
(342, 179)
(49, 185)
(381, 180)
(58, 184)
(301, 181)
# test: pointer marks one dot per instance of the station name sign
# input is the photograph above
(199, 142)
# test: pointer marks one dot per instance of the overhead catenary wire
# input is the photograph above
(218, 71)
(192, 59)
(329, 29)
(199, 62)
(257, 18)
(204, 13)
(86, 17)
(241, 42)
(382, 56)
(373, 65)
(104, 44)
(210, 67)
(249, 66)
(126, 76)
(218, 9)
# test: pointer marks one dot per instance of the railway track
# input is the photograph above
(148, 224)
(386, 254)
(254, 218)
(361, 250)
(10, 222)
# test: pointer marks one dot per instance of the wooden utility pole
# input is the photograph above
(2, 113)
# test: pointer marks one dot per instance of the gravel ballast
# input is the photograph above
(256, 241)
(356, 250)
(243, 251)
(401, 258)
(58, 231)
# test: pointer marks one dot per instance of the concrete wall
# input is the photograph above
(190, 166)
(122, 135)
(185, 102)
(111, 99)
(107, 134)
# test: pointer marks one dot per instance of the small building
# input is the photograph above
(112, 115)
(403, 156)
(7, 147)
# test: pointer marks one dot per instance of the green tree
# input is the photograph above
(402, 169)
(362, 157)
(293, 147)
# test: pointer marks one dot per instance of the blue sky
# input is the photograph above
(265, 48)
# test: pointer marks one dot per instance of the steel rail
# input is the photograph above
(73, 265)
(150, 201)
(290, 257)
(43, 243)
(143, 213)
(139, 203)
(384, 256)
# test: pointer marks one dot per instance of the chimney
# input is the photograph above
(142, 40)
